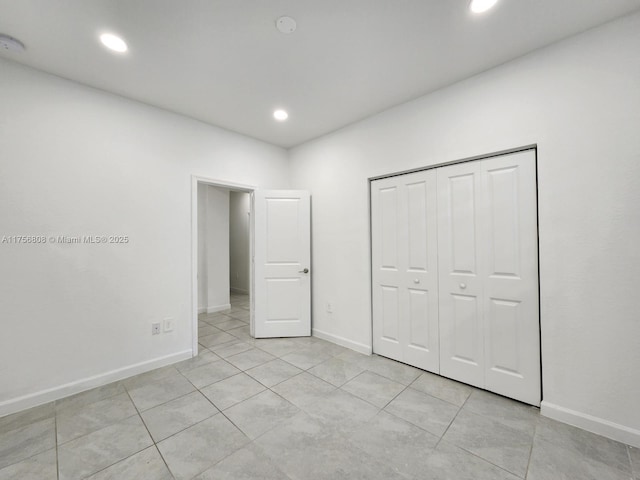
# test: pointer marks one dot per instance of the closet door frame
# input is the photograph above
(532, 147)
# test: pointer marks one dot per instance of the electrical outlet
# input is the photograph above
(155, 329)
(168, 324)
(329, 307)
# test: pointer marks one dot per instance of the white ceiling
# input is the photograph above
(225, 63)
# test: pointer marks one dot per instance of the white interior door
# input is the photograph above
(282, 261)
(460, 271)
(510, 302)
(405, 279)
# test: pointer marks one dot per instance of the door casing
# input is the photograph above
(195, 180)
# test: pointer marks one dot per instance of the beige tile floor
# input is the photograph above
(296, 408)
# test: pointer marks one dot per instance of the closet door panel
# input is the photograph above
(387, 265)
(512, 336)
(421, 274)
(461, 289)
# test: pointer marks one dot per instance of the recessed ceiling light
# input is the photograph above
(479, 6)
(280, 115)
(113, 42)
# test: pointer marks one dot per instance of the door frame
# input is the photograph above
(499, 153)
(238, 187)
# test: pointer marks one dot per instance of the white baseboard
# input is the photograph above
(202, 310)
(219, 308)
(592, 424)
(240, 291)
(343, 342)
(18, 404)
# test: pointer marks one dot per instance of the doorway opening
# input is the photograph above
(222, 245)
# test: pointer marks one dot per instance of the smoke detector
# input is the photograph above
(11, 44)
(286, 25)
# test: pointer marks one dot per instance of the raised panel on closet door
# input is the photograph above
(386, 225)
(421, 335)
(512, 333)
(460, 266)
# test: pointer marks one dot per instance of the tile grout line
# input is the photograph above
(533, 439)
(185, 428)
(154, 444)
(331, 383)
(114, 423)
(39, 452)
(197, 423)
(55, 423)
(476, 455)
(389, 402)
(364, 399)
(634, 473)
(453, 420)
(214, 405)
(153, 441)
(252, 441)
(276, 384)
(488, 461)
(78, 407)
(398, 363)
(237, 403)
(297, 375)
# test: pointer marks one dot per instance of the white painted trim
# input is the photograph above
(252, 273)
(56, 393)
(600, 426)
(194, 265)
(241, 291)
(343, 342)
(224, 184)
(218, 308)
(202, 310)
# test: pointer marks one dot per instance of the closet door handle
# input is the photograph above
(306, 270)
(463, 286)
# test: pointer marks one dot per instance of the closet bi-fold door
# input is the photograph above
(461, 273)
(510, 297)
(488, 268)
(404, 261)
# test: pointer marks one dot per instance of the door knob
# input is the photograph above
(306, 270)
(417, 280)
(463, 286)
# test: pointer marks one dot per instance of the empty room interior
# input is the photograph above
(300, 240)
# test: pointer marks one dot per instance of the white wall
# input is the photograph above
(579, 101)
(74, 161)
(239, 208)
(217, 225)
